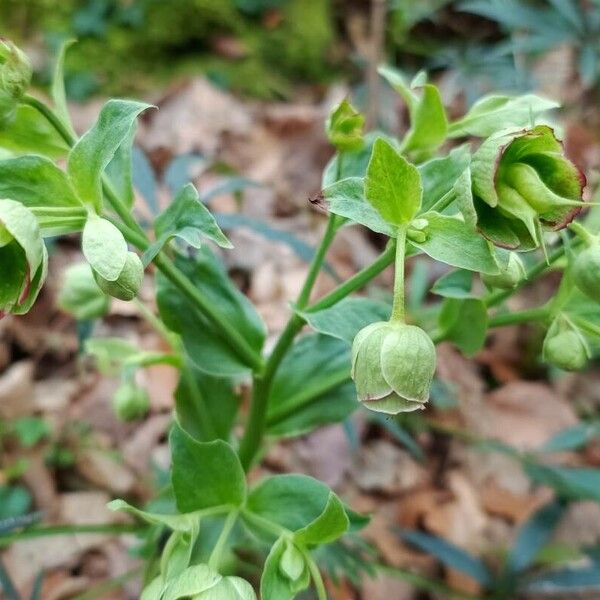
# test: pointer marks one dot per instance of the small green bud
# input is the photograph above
(131, 402)
(15, 78)
(586, 271)
(344, 127)
(392, 366)
(292, 564)
(80, 294)
(511, 273)
(565, 347)
(228, 588)
(129, 282)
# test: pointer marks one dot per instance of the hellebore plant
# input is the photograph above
(475, 208)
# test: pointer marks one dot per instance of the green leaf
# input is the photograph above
(188, 219)
(439, 174)
(291, 501)
(93, 152)
(571, 483)
(346, 318)
(346, 198)
(428, 122)
(464, 322)
(205, 474)
(176, 522)
(57, 91)
(312, 387)
(193, 581)
(120, 169)
(209, 352)
(452, 241)
(206, 406)
(572, 438)
(344, 127)
(36, 181)
(327, 527)
(30, 132)
(450, 555)
(493, 113)
(532, 536)
(583, 581)
(276, 583)
(30, 430)
(456, 284)
(15, 501)
(393, 185)
(104, 247)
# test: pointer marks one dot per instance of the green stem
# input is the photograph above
(583, 234)
(51, 530)
(156, 323)
(539, 313)
(100, 590)
(444, 202)
(316, 576)
(51, 117)
(398, 306)
(215, 557)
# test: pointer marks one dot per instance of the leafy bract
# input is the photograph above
(205, 474)
(104, 247)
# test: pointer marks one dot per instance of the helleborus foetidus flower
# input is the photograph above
(522, 184)
(511, 273)
(344, 127)
(392, 366)
(80, 295)
(586, 271)
(23, 258)
(565, 346)
(15, 78)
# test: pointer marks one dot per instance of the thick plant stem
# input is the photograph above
(514, 318)
(51, 117)
(398, 306)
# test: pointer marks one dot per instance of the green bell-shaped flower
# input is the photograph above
(522, 184)
(23, 258)
(586, 271)
(131, 402)
(511, 273)
(15, 78)
(129, 282)
(80, 294)
(392, 366)
(565, 346)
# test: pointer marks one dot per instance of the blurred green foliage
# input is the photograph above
(257, 47)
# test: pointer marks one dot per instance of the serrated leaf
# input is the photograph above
(205, 474)
(186, 218)
(104, 247)
(392, 184)
(93, 152)
(452, 241)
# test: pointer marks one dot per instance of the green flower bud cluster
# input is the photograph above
(131, 402)
(15, 78)
(512, 272)
(522, 183)
(392, 366)
(23, 258)
(344, 127)
(565, 346)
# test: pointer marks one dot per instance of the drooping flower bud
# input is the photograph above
(511, 273)
(523, 183)
(129, 282)
(80, 294)
(565, 347)
(292, 564)
(130, 402)
(392, 366)
(586, 271)
(15, 78)
(23, 258)
(344, 127)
